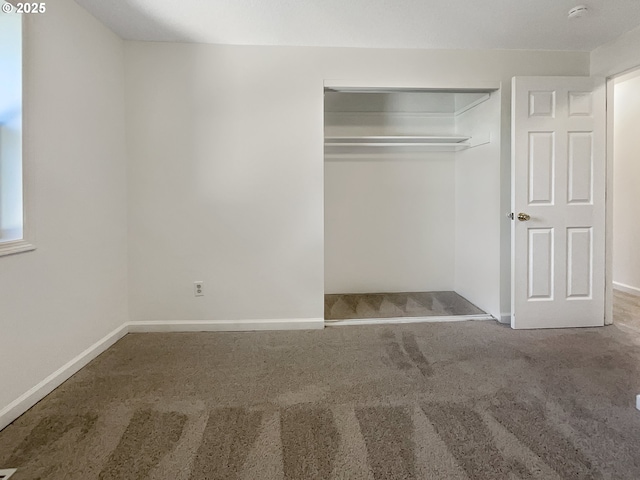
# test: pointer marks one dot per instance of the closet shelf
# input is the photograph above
(435, 143)
(387, 140)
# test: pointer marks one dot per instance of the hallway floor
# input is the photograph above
(626, 310)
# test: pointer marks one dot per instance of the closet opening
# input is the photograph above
(412, 204)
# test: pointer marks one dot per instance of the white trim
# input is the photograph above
(15, 246)
(392, 114)
(6, 473)
(608, 253)
(368, 86)
(27, 400)
(505, 318)
(226, 325)
(397, 320)
(626, 288)
(473, 104)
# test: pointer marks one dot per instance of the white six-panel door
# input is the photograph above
(558, 185)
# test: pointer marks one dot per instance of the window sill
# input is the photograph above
(16, 246)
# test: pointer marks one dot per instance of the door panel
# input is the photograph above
(540, 266)
(541, 168)
(580, 167)
(579, 264)
(558, 181)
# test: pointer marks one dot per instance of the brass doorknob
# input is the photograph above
(523, 217)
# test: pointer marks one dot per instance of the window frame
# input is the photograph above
(26, 243)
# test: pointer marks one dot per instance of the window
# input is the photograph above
(13, 237)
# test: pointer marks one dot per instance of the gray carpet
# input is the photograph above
(393, 305)
(469, 400)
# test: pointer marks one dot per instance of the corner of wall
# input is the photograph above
(618, 56)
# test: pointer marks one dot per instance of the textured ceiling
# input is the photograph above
(459, 24)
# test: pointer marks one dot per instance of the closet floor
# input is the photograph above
(394, 305)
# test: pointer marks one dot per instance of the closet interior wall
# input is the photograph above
(477, 213)
(419, 215)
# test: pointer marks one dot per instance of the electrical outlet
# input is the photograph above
(198, 289)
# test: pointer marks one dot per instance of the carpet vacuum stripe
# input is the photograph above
(311, 443)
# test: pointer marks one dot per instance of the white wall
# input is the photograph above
(389, 224)
(626, 178)
(58, 300)
(226, 170)
(618, 56)
(477, 208)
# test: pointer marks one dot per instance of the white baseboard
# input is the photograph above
(227, 325)
(626, 288)
(398, 320)
(27, 400)
(505, 318)
(23, 403)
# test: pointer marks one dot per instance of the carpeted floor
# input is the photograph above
(469, 400)
(392, 305)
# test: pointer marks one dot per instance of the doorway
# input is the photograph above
(626, 199)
